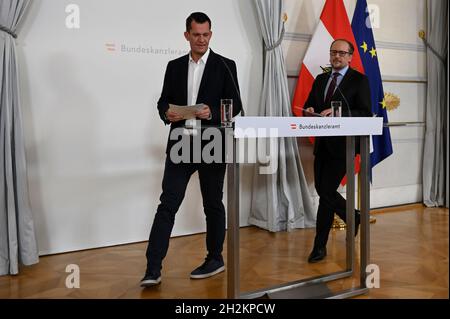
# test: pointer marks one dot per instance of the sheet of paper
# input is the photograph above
(186, 111)
(311, 113)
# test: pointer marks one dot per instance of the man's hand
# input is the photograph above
(204, 113)
(326, 112)
(308, 111)
(173, 116)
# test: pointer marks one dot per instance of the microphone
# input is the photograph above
(234, 84)
(342, 94)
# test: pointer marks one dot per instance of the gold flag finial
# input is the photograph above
(422, 34)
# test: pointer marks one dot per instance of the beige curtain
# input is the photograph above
(17, 236)
(435, 176)
(280, 201)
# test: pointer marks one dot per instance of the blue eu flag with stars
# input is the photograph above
(362, 29)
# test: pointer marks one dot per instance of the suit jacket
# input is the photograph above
(355, 88)
(219, 81)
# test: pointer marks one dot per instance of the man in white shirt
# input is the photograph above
(204, 77)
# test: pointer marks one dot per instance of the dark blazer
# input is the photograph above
(219, 81)
(355, 87)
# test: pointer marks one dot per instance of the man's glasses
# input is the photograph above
(340, 53)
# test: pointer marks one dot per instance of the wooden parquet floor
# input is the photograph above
(409, 244)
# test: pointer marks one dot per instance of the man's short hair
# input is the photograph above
(198, 17)
(351, 48)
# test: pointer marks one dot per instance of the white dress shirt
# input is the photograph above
(339, 79)
(195, 75)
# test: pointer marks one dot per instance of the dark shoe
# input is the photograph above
(317, 254)
(151, 279)
(209, 268)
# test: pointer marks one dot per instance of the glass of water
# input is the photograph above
(336, 108)
(226, 112)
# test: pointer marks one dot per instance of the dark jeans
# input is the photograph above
(328, 173)
(176, 178)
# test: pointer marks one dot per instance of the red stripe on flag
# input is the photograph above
(357, 169)
(305, 82)
(304, 85)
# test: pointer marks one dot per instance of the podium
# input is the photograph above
(278, 127)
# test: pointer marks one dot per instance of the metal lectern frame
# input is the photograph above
(233, 189)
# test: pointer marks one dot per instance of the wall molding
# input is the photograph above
(303, 37)
(397, 195)
(386, 78)
(306, 143)
(401, 46)
(300, 37)
(406, 124)
(387, 197)
(404, 79)
(408, 140)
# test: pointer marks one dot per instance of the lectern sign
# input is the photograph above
(252, 127)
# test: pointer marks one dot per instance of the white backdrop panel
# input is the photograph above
(94, 141)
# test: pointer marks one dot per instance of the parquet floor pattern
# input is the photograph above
(408, 243)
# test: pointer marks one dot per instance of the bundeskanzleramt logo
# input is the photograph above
(124, 48)
(111, 47)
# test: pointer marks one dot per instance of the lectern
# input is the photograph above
(278, 127)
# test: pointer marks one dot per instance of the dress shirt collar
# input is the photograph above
(203, 59)
(342, 71)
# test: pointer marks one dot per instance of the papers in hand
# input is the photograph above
(187, 111)
(311, 113)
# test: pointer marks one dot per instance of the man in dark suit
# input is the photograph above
(205, 77)
(352, 89)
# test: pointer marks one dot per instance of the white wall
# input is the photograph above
(94, 142)
(397, 180)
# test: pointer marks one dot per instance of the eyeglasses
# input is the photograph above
(340, 53)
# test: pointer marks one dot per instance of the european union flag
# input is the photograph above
(362, 29)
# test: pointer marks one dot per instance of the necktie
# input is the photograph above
(331, 88)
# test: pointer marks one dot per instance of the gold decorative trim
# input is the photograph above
(392, 101)
(339, 224)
